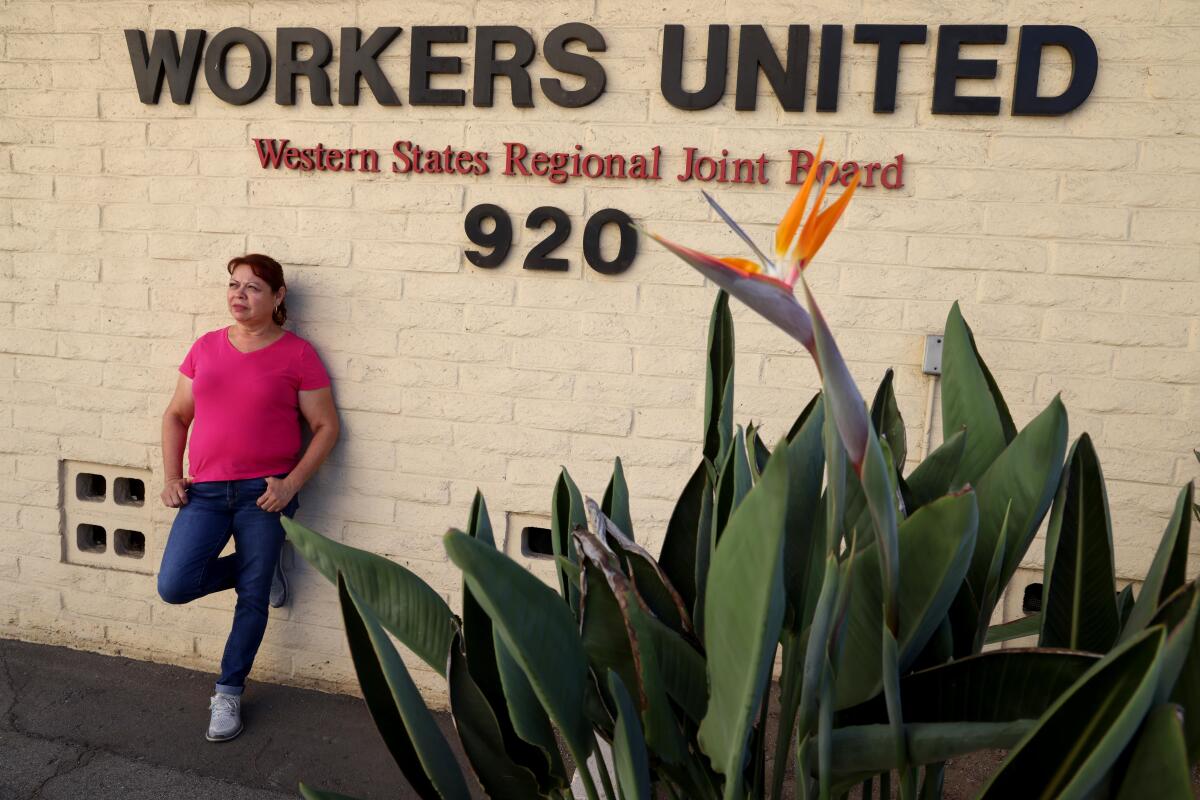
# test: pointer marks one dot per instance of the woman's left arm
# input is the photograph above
(322, 418)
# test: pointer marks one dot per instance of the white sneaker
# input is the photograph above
(226, 720)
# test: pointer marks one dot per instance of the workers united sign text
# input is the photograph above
(435, 56)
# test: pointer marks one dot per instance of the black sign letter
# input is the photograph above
(488, 67)
(950, 68)
(359, 58)
(422, 64)
(1084, 63)
(165, 60)
(755, 52)
(671, 79)
(260, 66)
(830, 73)
(558, 56)
(286, 40)
(887, 66)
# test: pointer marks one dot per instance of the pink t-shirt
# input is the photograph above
(247, 422)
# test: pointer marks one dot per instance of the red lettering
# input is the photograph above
(515, 154)
(870, 169)
(291, 158)
(896, 169)
(399, 150)
(270, 151)
(801, 162)
(848, 170)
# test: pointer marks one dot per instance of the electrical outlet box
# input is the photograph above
(933, 355)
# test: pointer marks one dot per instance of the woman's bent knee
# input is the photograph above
(172, 590)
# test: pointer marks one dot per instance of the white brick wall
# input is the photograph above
(1071, 241)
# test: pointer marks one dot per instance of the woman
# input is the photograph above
(242, 391)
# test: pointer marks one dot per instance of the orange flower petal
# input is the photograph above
(810, 223)
(791, 220)
(829, 218)
(742, 264)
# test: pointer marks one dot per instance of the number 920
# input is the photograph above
(500, 238)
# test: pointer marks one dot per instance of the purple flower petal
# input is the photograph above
(771, 298)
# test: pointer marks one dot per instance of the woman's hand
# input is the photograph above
(279, 493)
(174, 494)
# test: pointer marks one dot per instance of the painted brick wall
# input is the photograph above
(1072, 243)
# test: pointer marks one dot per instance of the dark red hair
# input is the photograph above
(269, 270)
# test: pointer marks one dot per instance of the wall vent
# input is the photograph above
(527, 541)
(106, 518)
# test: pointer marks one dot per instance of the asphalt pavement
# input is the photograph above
(81, 725)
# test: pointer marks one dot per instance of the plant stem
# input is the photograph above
(589, 785)
(605, 780)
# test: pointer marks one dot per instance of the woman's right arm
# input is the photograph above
(176, 421)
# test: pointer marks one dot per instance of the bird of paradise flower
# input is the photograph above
(767, 285)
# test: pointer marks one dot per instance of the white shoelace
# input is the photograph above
(224, 706)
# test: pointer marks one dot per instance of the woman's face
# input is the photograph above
(250, 297)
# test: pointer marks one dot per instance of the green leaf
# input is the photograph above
(991, 590)
(483, 663)
(760, 454)
(617, 640)
(733, 483)
(309, 793)
(718, 385)
(1178, 614)
(789, 704)
(802, 546)
(476, 625)
(1076, 742)
(407, 726)
(678, 555)
(1016, 629)
(1079, 602)
(997, 686)
(406, 605)
(861, 751)
(629, 747)
(1025, 475)
(1158, 766)
(603, 628)
(1125, 604)
(481, 736)
(616, 500)
(885, 417)
(479, 524)
(683, 668)
(705, 545)
(1167, 570)
(649, 580)
(538, 749)
(934, 476)
(935, 549)
(1186, 690)
(566, 514)
(536, 629)
(971, 400)
(743, 617)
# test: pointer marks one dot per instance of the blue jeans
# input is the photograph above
(191, 567)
